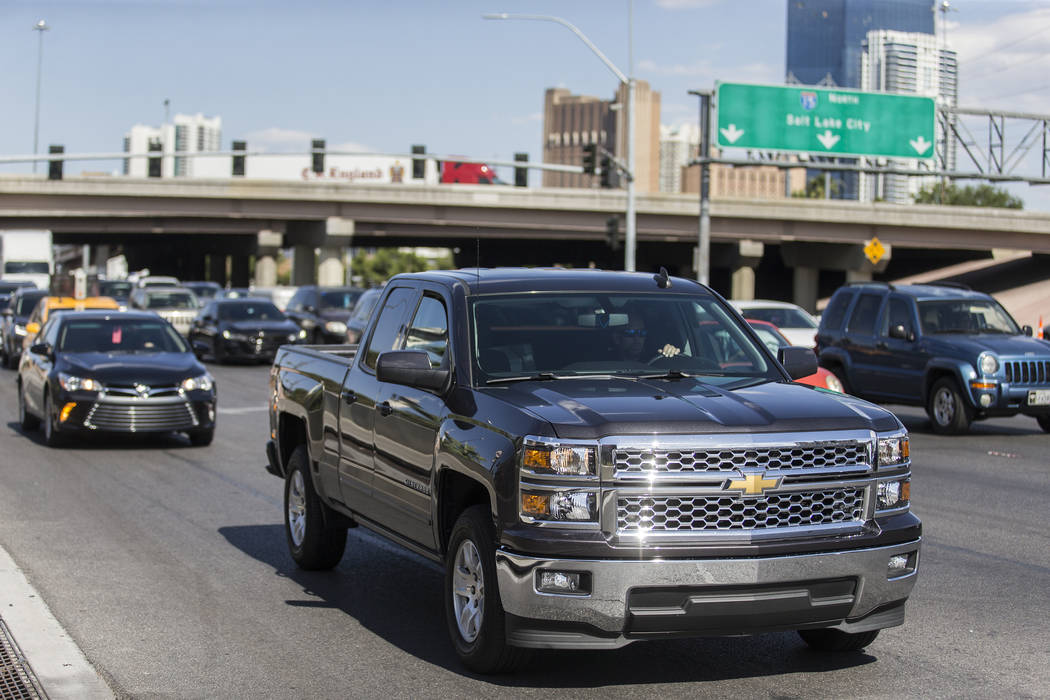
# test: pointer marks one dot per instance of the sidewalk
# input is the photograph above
(53, 657)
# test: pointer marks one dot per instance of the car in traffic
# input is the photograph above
(120, 290)
(49, 305)
(114, 372)
(323, 311)
(157, 281)
(797, 324)
(203, 290)
(12, 286)
(244, 293)
(955, 351)
(358, 321)
(13, 323)
(177, 305)
(242, 329)
(774, 340)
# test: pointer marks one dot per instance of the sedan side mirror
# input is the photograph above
(40, 349)
(798, 361)
(1027, 330)
(412, 368)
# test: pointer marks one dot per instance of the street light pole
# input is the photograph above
(630, 233)
(40, 27)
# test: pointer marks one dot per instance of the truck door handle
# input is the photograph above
(349, 396)
(385, 409)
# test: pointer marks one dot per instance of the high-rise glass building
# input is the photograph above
(824, 37)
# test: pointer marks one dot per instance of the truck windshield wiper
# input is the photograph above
(538, 377)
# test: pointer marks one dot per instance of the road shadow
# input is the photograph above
(107, 441)
(396, 595)
(916, 421)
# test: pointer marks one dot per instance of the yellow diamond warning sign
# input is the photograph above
(874, 250)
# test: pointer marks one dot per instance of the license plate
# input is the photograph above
(1039, 397)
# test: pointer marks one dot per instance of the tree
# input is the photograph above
(968, 196)
(375, 268)
(815, 188)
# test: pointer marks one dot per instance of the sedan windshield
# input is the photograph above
(780, 317)
(339, 299)
(119, 335)
(558, 335)
(970, 316)
(250, 311)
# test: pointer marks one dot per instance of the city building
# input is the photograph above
(750, 181)
(915, 64)
(678, 146)
(572, 121)
(824, 46)
(185, 134)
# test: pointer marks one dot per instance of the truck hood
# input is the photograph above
(593, 408)
(1010, 346)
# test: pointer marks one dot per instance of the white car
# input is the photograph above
(797, 324)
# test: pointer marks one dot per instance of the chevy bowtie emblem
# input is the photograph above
(753, 484)
(142, 390)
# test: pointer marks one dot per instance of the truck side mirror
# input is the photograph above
(798, 361)
(411, 368)
(901, 333)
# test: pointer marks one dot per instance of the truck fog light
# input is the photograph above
(900, 564)
(986, 400)
(563, 582)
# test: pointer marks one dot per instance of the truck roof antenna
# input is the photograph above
(662, 280)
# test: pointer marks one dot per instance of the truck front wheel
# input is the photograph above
(313, 545)
(473, 610)
(949, 414)
(837, 640)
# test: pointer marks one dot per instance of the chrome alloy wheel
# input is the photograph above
(468, 591)
(297, 509)
(944, 406)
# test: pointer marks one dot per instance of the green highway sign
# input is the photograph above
(825, 121)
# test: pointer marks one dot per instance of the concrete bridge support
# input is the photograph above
(269, 242)
(742, 258)
(808, 259)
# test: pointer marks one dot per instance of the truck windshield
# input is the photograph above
(969, 316)
(565, 334)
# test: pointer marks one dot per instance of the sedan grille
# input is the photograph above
(1027, 372)
(629, 461)
(637, 515)
(141, 416)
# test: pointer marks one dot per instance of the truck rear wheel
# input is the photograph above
(313, 545)
(1044, 423)
(837, 640)
(473, 610)
(949, 414)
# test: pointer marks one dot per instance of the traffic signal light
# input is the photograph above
(418, 164)
(238, 157)
(590, 158)
(607, 171)
(54, 167)
(521, 175)
(612, 232)
(317, 149)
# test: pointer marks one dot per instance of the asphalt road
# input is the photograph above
(167, 565)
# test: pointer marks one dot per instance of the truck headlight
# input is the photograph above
(201, 383)
(560, 460)
(988, 364)
(559, 506)
(894, 494)
(335, 327)
(893, 451)
(71, 382)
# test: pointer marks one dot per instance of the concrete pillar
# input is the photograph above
(216, 271)
(805, 287)
(331, 272)
(304, 264)
(744, 257)
(266, 271)
(743, 285)
(858, 275)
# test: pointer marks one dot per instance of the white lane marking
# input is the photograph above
(243, 409)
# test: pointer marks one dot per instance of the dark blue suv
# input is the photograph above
(943, 346)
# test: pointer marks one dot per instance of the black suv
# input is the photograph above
(943, 346)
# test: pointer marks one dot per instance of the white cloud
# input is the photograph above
(706, 69)
(527, 119)
(1004, 64)
(684, 4)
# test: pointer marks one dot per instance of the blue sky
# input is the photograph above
(382, 76)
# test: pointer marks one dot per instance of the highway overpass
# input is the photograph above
(178, 221)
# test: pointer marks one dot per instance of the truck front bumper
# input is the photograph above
(622, 601)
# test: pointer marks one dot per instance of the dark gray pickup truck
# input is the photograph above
(596, 458)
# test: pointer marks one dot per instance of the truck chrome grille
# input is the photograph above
(640, 461)
(141, 417)
(1027, 372)
(637, 515)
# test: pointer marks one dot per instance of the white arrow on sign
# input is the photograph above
(920, 145)
(732, 133)
(828, 139)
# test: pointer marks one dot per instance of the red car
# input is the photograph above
(774, 340)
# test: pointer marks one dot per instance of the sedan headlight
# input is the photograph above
(335, 327)
(989, 364)
(893, 451)
(71, 382)
(302, 334)
(20, 330)
(832, 382)
(201, 383)
(234, 335)
(292, 337)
